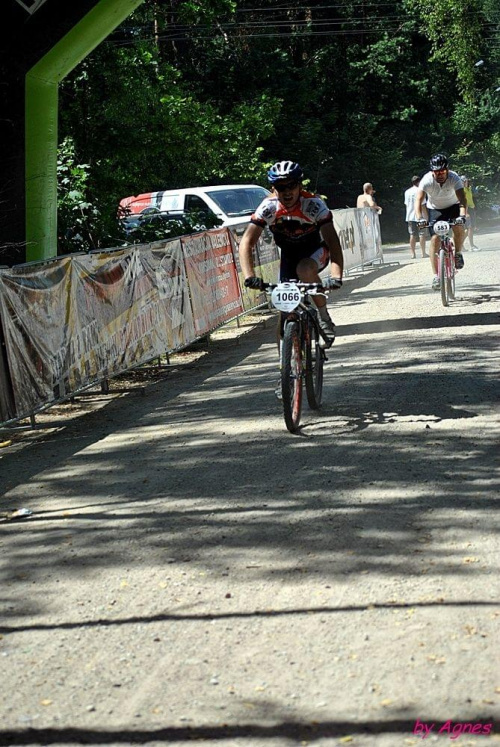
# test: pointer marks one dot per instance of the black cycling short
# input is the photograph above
(449, 213)
(289, 261)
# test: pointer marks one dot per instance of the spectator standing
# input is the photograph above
(471, 209)
(367, 199)
(413, 228)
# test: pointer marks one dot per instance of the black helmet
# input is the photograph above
(284, 170)
(438, 162)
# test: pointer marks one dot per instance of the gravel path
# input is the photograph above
(192, 571)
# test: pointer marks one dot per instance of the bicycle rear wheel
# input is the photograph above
(314, 359)
(291, 376)
(443, 284)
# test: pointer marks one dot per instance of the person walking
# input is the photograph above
(471, 209)
(413, 228)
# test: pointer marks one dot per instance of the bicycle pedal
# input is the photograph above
(326, 344)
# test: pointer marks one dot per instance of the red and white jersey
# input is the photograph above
(296, 229)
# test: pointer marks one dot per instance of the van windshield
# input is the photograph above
(238, 201)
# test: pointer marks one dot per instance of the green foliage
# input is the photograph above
(199, 92)
(158, 227)
(454, 29)
(76, 215)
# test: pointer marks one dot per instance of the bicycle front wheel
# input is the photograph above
(314, 359)
(291, 376)
(443, 284)
(450, 276)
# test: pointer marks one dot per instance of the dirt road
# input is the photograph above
(192, 571)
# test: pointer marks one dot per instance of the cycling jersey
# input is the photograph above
(441, 195)
(296, 230)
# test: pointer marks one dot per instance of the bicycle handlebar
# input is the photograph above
(320, 288)
(309, 288)
(453, 222)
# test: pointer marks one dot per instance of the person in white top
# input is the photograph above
(443, 191)
(413, 228)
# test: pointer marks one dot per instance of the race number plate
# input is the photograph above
(286, 297)
(441, 227)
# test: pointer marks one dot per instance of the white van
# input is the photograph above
(231, 203)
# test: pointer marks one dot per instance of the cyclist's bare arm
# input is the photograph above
(332, 241)
(419, 206)
(462, 198)
(247, 243)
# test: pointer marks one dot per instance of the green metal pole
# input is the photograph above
(41, 116)
(41, 168)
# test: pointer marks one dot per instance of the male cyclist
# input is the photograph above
(446, 200)
(302, 226)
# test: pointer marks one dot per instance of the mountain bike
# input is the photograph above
(446, 269)
(302, 354)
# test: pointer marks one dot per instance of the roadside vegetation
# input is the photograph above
(190, 93)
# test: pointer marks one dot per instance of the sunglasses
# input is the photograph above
(440, 171)
(285, 187)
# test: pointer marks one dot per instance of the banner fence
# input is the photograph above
(72, 322)
(359, 233)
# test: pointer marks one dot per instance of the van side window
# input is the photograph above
(169, 201)
(194, 202)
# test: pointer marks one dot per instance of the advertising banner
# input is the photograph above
(36, 306)
(80, 320)
(117, 321)
(347, 229)
(359, 233)
(74, 321)
(212, 277)
(7, 406)
(266, 264)
(173, 293)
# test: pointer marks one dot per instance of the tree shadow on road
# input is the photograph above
(433, 322)
(201, 472)
(297, 731)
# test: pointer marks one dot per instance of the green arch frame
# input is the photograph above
(41, 115)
